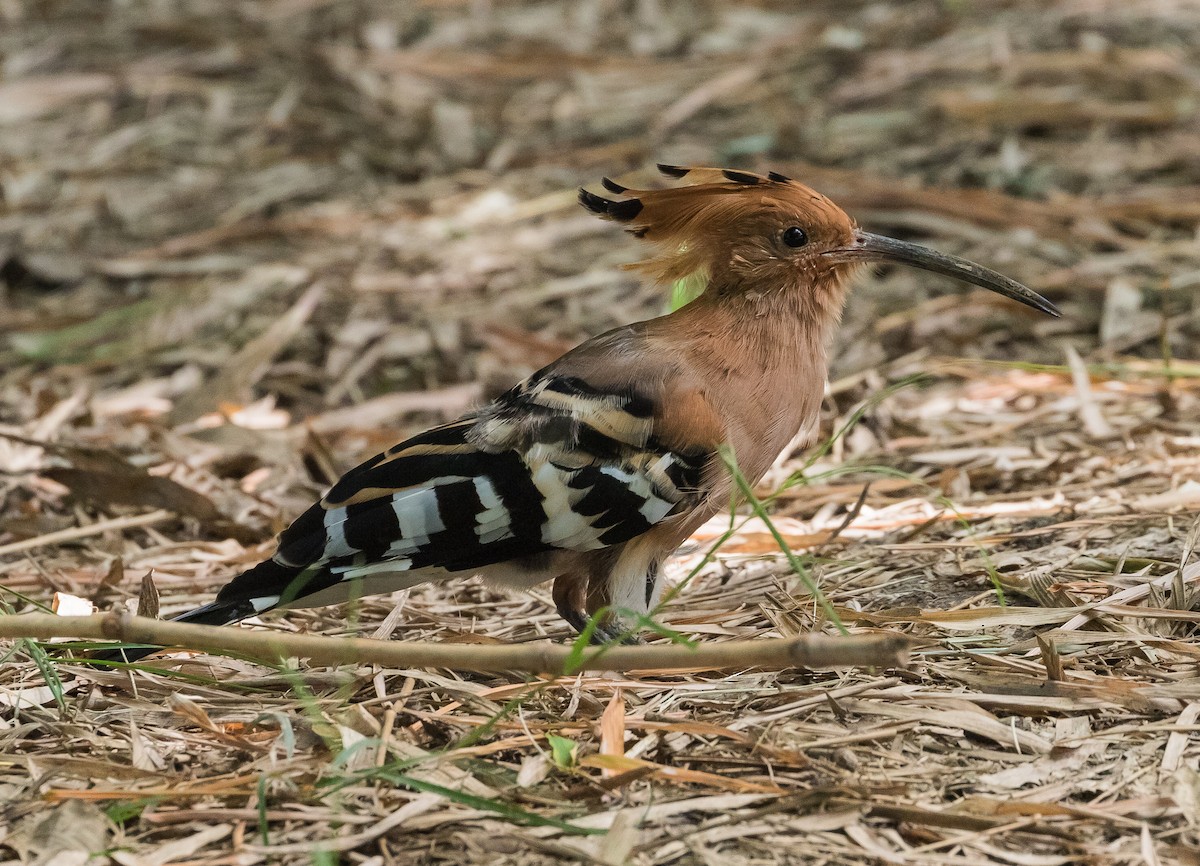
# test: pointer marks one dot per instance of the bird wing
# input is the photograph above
(553, 464)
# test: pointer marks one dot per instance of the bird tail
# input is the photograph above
(255, 590)
(213, 613)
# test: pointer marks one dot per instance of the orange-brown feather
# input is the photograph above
(719, 223)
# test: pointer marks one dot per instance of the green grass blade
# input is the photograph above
(793, 560)
(49, 671)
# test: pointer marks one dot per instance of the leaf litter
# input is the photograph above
(240, 250)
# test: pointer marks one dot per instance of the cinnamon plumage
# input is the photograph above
(594, 469)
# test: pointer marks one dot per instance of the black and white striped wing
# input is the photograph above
(551, 465)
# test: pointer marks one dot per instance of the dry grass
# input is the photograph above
(241, 248)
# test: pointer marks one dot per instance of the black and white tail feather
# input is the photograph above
(554, 465)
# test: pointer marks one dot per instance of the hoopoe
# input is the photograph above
(594, 469)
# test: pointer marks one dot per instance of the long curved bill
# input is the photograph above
(877, 248)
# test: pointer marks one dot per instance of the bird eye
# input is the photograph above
(795, 236)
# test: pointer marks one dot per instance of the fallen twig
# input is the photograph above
(75, 533)
(811, 650)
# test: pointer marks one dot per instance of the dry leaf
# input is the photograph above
(72, 828)
(612, 729)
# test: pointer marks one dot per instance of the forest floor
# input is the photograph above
(244, 246)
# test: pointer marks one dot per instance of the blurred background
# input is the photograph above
(245, 245)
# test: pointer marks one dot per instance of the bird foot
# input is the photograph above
(615, 632)
(610, 630)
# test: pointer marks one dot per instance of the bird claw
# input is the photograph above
(610, 631)
(615, 633)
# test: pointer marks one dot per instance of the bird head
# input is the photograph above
(745, 232)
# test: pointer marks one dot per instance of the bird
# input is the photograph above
(594, 469)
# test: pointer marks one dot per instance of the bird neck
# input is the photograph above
(788, 329)
(763, 360)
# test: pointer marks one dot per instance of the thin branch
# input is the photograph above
(75, 533)
(810, 651)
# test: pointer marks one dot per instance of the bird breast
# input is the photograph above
(766, 385)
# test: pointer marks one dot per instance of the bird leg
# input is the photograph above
(568, 594)
(577, 600)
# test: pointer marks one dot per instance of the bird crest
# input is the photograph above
(717, 219)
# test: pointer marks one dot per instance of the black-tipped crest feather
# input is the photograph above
(695, 222)
(741, 176)
(622, 211)
(593, 202)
